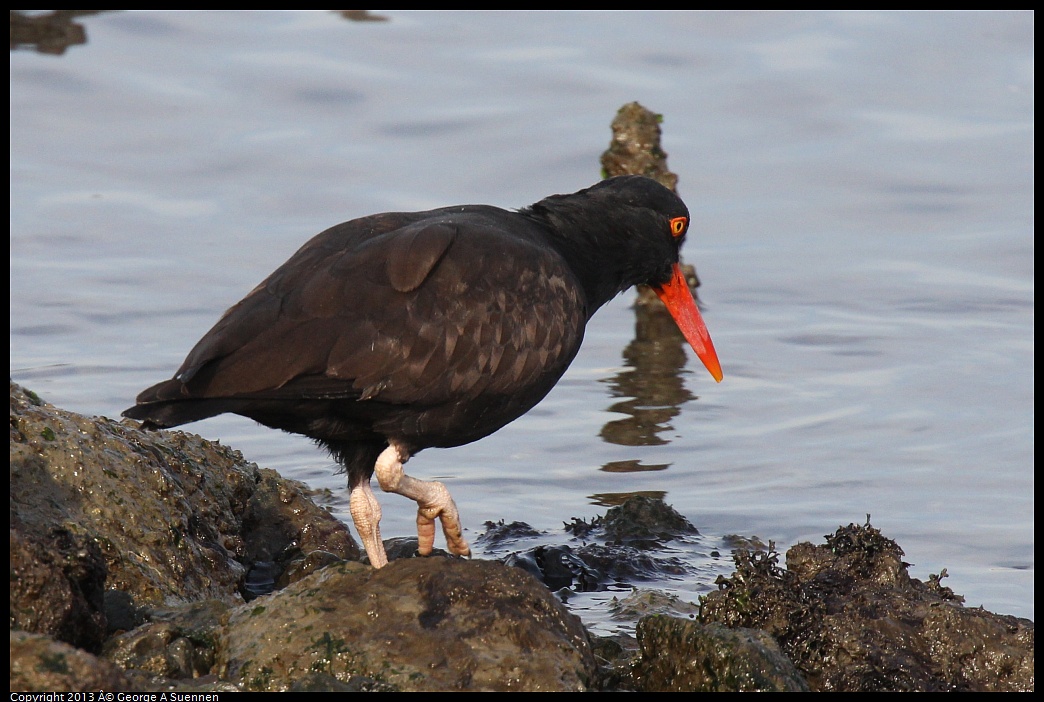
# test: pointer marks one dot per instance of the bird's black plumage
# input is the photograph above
(424, 329)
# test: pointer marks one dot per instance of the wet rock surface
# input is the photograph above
(851, 618)
(681, 656)
(61, 578)
(621, 547)
(147, 555)
(635, 147)
(131, 554)
(40, 663)
(418, 624)
(175, 518)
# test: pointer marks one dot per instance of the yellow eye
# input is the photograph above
(678, 225)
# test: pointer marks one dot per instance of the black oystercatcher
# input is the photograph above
(396, 332)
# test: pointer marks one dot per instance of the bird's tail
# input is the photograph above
(165, 405)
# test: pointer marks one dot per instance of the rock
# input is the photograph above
(635, 148)
(176, 644)
(41, 664)
(853, 620)
(418, 624)
(647, 521)
(57, 585)
(156, 533)
(633, 534)
(174, 518)
(683, 656)
(141, 545)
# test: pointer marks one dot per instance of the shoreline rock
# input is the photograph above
(131, 552)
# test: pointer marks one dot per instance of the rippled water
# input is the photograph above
(862, 194)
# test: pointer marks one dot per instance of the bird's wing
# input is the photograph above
(424, 313)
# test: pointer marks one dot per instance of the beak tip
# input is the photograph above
(716, 373)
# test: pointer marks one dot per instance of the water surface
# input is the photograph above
(861, 187)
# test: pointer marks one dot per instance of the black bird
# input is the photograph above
(393, 333)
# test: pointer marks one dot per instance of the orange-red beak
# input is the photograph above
(678, 299)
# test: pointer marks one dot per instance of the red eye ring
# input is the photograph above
(678, 225)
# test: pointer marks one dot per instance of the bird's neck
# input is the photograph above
(595, 251)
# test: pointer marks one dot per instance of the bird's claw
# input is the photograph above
(441, 506)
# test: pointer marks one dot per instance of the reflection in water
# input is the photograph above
(51, 33)
(613, 499)
(55, 31)
(651, 383)
(361, 16)
(633, 466)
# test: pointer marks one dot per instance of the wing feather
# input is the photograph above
(418, 309)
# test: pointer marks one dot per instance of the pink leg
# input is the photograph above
(432, 498)
(366, 513)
